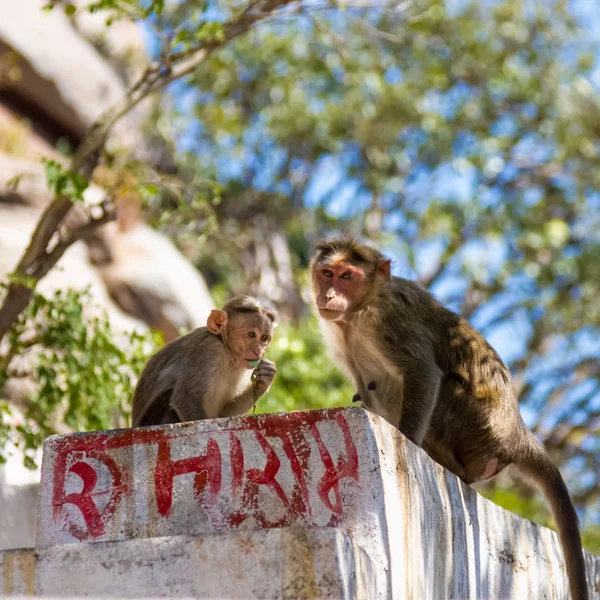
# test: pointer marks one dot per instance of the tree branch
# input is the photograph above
(37, 260)
(51, 258)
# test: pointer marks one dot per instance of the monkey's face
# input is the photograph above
(337, 288)
(248, 336)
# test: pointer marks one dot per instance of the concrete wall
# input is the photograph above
(283, 563)
(393, 522)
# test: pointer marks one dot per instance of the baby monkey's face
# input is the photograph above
(246, 328)
(249, 335)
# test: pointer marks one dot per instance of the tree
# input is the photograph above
(183, 50)
(56, 328)
(463, 138)
(464, 141)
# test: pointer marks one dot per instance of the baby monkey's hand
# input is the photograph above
(265, 373)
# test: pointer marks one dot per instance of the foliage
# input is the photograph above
(61, 182)
(84, 377)
(464, 139)
(65, 356)
(591, 539)
(306, 377)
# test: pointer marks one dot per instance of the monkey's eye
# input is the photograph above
(327, 273)
(346, 275)
(251, 334)
(264, 338)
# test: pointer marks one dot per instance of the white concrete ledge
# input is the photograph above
(278, 563)
(427, 535)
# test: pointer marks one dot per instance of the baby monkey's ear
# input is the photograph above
(216, 321)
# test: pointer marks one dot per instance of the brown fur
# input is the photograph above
(205, 374)
(436, 378)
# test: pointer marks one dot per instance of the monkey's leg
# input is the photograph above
(187, 400)
(170, 417)
(239, 405)
(460, 439)
(157, 412)
(187, 403)
(183, 414)
(443, 456)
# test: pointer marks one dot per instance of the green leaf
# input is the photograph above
(27, 281)
(13, 182)
(210, 32)
(62, 182)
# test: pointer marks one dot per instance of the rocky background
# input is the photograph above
(57, 74)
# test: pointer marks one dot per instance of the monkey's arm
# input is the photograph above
(420, 394)
(412, 353)
(241, 404)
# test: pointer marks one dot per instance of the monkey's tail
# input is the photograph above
(536, 464)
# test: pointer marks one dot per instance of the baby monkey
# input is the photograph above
(207, 373)
(429, 373)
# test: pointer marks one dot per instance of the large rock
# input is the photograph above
(57, 71)
(148, 281)
(151, 280)
(19, 139)
(427, 535)
(22, 181)
(19, 490)
(73, 270)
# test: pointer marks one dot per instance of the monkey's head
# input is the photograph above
(345, 275)
(246, 327)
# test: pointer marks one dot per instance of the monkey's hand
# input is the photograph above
(265, 373)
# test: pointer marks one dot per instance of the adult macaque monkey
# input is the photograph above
(430, 374)
(207, 373)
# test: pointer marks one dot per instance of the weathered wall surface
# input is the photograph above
(447, 541)
(277, 563)
(270, 471)
(267, 471)
(426, 534)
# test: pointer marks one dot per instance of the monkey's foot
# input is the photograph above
(490, 469)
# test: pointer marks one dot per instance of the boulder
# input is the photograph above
(56, 73)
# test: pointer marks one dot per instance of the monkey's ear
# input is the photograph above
(216, 321)
(384, 268)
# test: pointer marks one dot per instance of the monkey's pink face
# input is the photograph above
(339, 286)
(249, 336)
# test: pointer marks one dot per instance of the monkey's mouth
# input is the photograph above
(329, 314)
